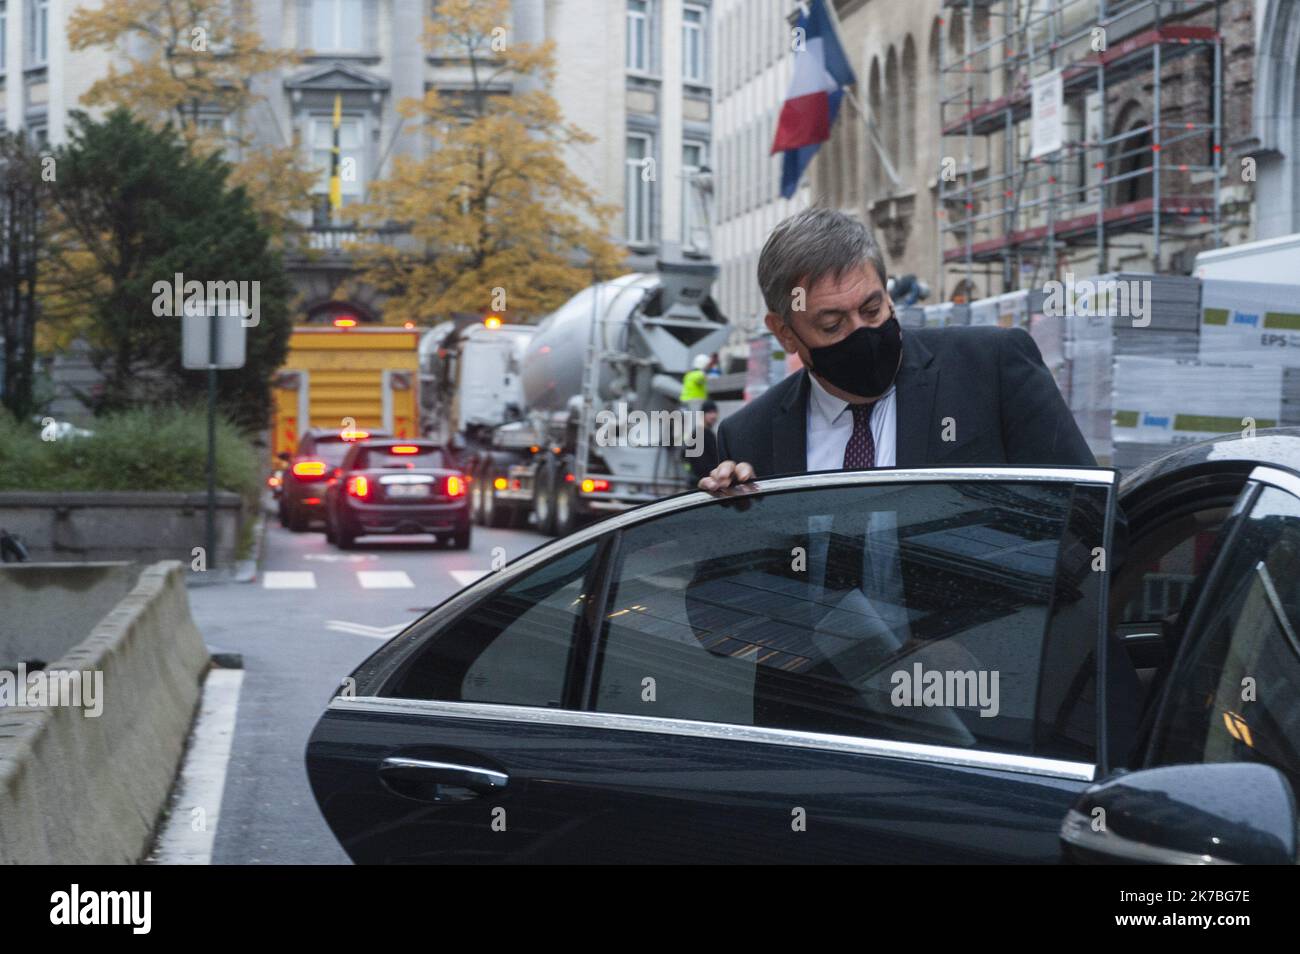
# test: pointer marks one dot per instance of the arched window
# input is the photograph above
(893, 107)
(910, 116)
(1129, 155)
(875, 102)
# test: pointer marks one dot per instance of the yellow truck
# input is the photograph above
(358, 377)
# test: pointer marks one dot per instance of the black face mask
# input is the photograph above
(865, 363)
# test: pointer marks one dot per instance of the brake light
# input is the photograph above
(309, 468)
(345, 322)
(455, 487)
(403, 449)
(500, 483)
(358, 486)
(274, 481)
(590, 486)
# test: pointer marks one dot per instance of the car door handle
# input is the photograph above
(439, 781)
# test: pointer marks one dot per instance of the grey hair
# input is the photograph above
(807, 247)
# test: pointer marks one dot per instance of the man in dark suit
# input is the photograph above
(871, 395)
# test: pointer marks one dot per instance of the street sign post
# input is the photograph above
(212, 339)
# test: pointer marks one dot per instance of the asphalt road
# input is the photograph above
(313, 615)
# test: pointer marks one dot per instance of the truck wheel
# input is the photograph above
(297, 520)
(495, 513)
(329, 529)
(566, 508)
(544, 500)
(284, 517)
(477, 479)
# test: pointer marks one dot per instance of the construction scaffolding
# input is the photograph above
(1029, 190)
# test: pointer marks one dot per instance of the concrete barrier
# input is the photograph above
(85, 790)
(47, 608)
(143, 526)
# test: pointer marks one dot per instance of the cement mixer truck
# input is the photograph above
(610, 358)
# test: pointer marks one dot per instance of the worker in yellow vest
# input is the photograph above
(695, 389)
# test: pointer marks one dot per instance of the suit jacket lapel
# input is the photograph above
(790, 431)
(915, 390)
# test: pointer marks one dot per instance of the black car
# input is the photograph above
(397, 487)
(307, 473)
(951, 665)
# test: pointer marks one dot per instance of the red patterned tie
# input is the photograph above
(860, 453)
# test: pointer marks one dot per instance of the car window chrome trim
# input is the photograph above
(826, 742)
(1277, 478)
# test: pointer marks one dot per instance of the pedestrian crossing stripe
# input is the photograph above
(384, 580)
(368, 579)
(289, 580)
(464, 578)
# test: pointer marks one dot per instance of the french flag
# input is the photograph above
(821, 71)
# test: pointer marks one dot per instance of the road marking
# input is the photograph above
(289, 580)
(341, 557)
(361, 629)
(384, 580)
(191, 829)
(464, 578)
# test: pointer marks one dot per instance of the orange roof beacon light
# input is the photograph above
(354, 435)
(404, 449)
(500, 483)
(345, 322)
(492, 321)
(408, 325)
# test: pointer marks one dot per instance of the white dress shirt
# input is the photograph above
(830, 425)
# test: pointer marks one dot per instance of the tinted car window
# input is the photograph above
(377, 458)
(330, 451)
(836, 610)
(513, 648)
(1237, 696)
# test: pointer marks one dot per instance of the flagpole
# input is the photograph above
(867, 120)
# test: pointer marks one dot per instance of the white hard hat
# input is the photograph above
(701, 362)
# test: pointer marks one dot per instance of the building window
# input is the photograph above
(38, 26)
(214, 128)
(694, 44)
(695, 223)
(4, 31)
(638, 189)
(351, 165)
(638, 35)
(38, 134)
(336, 25)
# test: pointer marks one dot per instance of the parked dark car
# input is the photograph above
(398, 487)
(948, 665)
(307, 473)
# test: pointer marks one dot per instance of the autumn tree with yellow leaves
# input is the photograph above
(491, 218)
(184, 60)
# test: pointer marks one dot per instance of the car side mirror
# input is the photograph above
(1219, 813)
